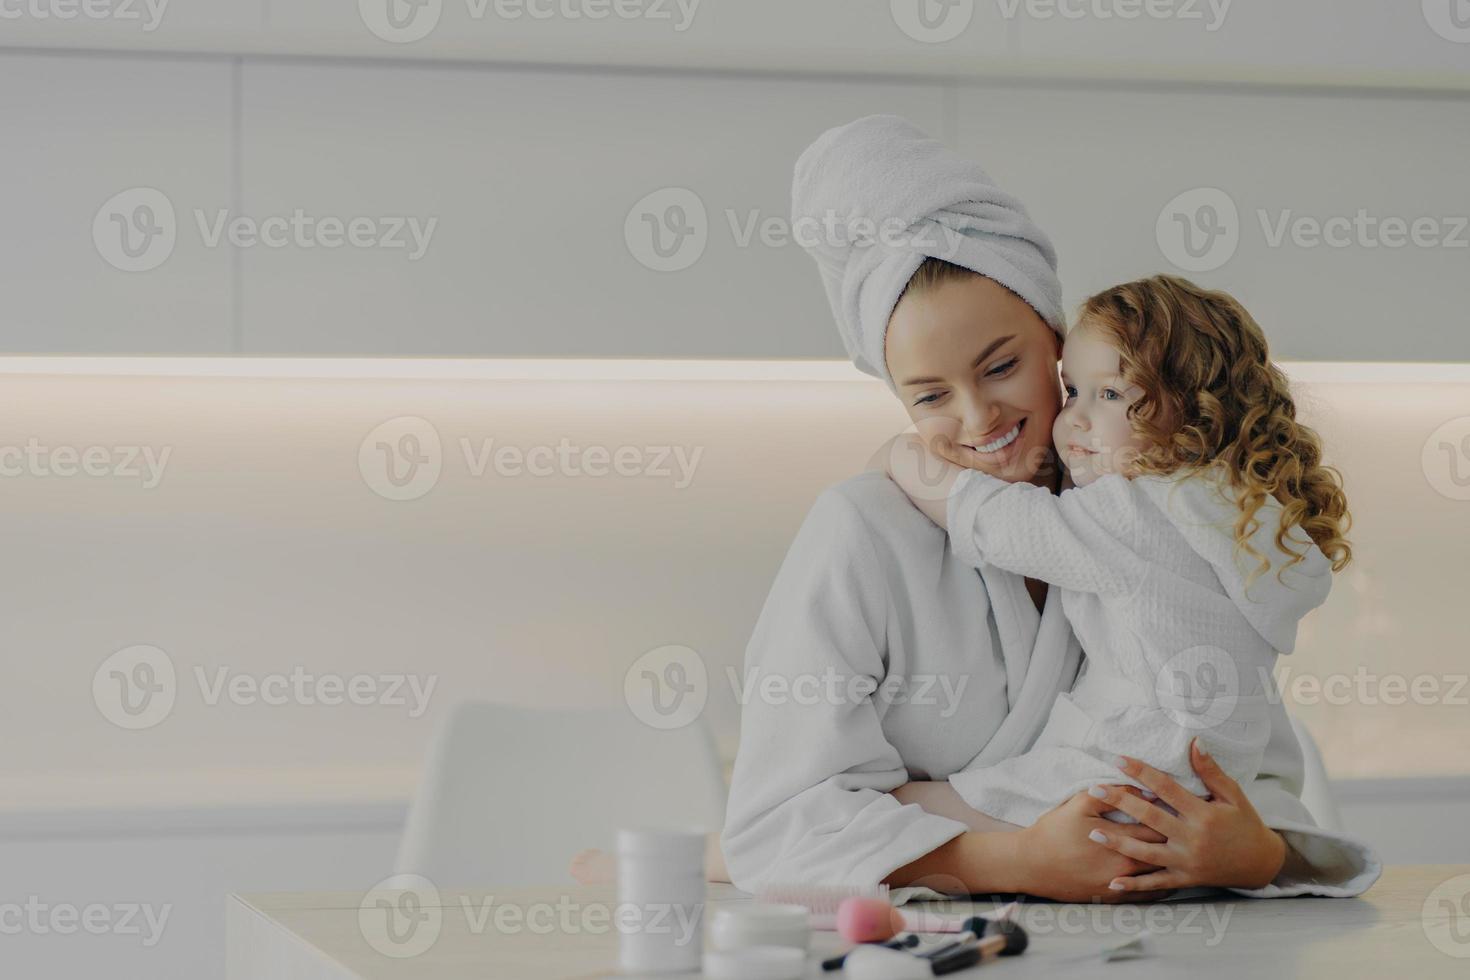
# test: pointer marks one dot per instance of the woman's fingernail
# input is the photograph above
(1121, 761)
(1115, 886)
(1097, 836)
(1099, 792)
(1149, 794)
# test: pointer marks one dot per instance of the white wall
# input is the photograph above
(531, 176)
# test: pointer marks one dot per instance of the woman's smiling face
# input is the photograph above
(973, 361)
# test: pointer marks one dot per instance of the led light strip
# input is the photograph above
(603, 369)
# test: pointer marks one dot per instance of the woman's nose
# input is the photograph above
(981, 418)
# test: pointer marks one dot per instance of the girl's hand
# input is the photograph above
(1057, 859)
(1221, 842)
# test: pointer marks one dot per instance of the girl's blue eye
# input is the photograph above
(1071, 392)
(1110, 395)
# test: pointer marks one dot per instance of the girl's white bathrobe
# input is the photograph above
(1177, 646)
(963, 673)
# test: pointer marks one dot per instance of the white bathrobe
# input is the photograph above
(1177, 646)
(871, 588)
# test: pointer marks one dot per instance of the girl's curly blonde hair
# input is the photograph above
(1211, 394)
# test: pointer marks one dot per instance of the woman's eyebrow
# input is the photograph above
(990, 348)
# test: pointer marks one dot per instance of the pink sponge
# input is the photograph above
(868, 920)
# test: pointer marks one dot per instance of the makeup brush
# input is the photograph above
(874, 920)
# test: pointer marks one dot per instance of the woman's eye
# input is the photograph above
(928, 399)
(1000, 369)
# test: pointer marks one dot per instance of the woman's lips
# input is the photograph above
(1010, 446)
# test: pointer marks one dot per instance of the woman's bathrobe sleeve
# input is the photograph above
(809, 799)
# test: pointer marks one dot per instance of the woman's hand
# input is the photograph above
(1058, 859)
(1220, 842)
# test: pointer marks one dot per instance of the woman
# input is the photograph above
(939, 666)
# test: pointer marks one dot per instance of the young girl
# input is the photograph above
(1201, 527)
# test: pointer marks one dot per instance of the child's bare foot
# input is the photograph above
(594, 867)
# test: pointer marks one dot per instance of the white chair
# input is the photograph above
(509, 793)
(1316, 787)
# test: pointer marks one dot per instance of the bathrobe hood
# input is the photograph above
(1203, 508)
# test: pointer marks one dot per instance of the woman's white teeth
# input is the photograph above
(1001, 443)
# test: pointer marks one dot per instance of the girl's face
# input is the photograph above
(1092, 434)
(973, 361)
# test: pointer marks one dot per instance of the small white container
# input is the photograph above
(755, 963)
(760, 924)
(660, 912)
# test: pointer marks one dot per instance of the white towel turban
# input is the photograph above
(872, 199)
